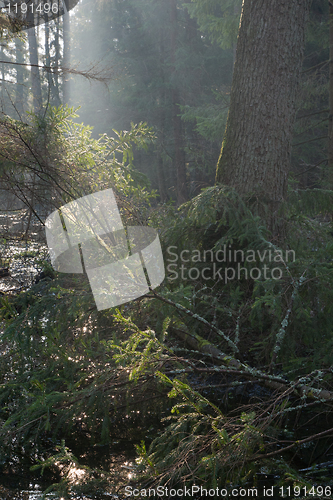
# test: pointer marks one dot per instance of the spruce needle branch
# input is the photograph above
(195, 316)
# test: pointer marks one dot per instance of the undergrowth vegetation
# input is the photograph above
(207, 375)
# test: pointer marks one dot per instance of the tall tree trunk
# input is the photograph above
(162, 120)
(161, 137)
(57, 62)
(178, 131)
(35, 76)
(19, 87)
(330, 122)
(66, 57)
(256, 149)
(3, 80)
(52, 93)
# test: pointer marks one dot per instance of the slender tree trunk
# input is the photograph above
(57, 62)
(161, 118)
(66, 57)
(179, 149)
(52, 94)
(161, 176)
(48, 58)
(35, 76)
(2, 55)
(19, 88)
(256, 149)
(330, 122)
(160, 146)
(178, 131)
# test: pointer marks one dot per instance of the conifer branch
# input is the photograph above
(197, 317)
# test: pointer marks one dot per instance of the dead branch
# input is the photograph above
(233, 364)
(92, 73)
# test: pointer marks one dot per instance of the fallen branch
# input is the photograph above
(295, 443)
(272, 381)
(236, 367)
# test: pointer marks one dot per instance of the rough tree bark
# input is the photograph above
(256, 150)
(330, 118)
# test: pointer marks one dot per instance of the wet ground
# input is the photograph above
(30, 486)
(22, 248)
(24, 261)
